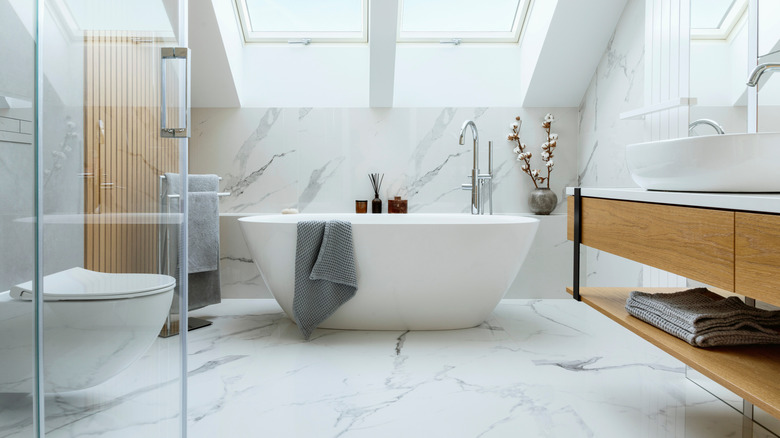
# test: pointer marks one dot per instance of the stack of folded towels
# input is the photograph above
(704, 319)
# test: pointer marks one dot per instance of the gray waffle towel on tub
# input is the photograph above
(325, 274)
(705, 321)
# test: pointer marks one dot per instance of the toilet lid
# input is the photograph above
(83, 284)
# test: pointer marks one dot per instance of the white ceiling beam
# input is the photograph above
(565, 52)
(382, 28)
(213, 80)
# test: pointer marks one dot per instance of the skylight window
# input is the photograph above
(461, 20)
(715, 19)
(314, 20)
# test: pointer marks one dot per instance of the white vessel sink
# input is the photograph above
(745, 163)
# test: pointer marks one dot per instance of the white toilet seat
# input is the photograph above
(82, 284)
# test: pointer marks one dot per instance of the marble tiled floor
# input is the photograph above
(536, 368)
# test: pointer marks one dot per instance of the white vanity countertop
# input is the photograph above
(759, 202)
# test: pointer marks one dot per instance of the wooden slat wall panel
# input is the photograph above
(757, 256)
(693, 242)
(127, 157)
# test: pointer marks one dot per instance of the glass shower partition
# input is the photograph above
(17, 211)
(83, 148)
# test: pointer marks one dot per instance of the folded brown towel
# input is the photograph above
(702, 319)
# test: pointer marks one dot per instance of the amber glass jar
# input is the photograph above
(396, 205)
(361, 206)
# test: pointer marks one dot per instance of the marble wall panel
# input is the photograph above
(318, 160)
(616, 87)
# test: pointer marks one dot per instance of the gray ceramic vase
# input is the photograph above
(542, 200)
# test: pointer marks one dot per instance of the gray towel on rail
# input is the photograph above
(325, 274)
(203, 233)
(203, 237)
(703, 320)
(195, 183)
(203, 183)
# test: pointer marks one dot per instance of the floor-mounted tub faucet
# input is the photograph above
(478, 180)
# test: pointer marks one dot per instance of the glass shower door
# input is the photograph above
(106, 372)
(17, 211)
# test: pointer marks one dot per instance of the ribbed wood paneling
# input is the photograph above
(125, 158)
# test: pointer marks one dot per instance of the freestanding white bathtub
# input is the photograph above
(414, 271)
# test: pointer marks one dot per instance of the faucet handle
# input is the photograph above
(490, 157)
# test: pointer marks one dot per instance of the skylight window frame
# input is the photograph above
(251, 36)
(513, 36)
(730, 21)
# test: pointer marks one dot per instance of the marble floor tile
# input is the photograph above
(535, 368)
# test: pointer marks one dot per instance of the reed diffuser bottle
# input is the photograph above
(376, 183)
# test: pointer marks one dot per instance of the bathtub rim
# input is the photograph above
(438, 219)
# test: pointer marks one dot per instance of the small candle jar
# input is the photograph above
(361, 206)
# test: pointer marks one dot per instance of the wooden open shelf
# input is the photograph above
(751, 372)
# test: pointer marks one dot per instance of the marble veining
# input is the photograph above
(239, 185)
(261, 132)
(417, 206)
(414, 187)
(585, 365)
(317, 179)
(534, 368)
(440, 125)
(587, 166)
(400, 344)
(303, 112)
(619, 61)
(238, 259)
(250, 203)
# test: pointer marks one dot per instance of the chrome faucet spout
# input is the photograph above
(475, 201)
(760, 69)
(475, 136)
(478, 180)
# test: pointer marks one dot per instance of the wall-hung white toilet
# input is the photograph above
(95, 325)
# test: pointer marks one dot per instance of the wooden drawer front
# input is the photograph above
(757, 261)
(696, 243)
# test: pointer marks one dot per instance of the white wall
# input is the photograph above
(290, 76)
(466, 75)
(768, 30)
(317, 160)
(332, 76)
(718, 70)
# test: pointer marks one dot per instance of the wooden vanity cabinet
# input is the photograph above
(757, 256)
(732, 250)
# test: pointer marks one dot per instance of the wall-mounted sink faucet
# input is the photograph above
(708, 122)
(478, 180)
(755, 75)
